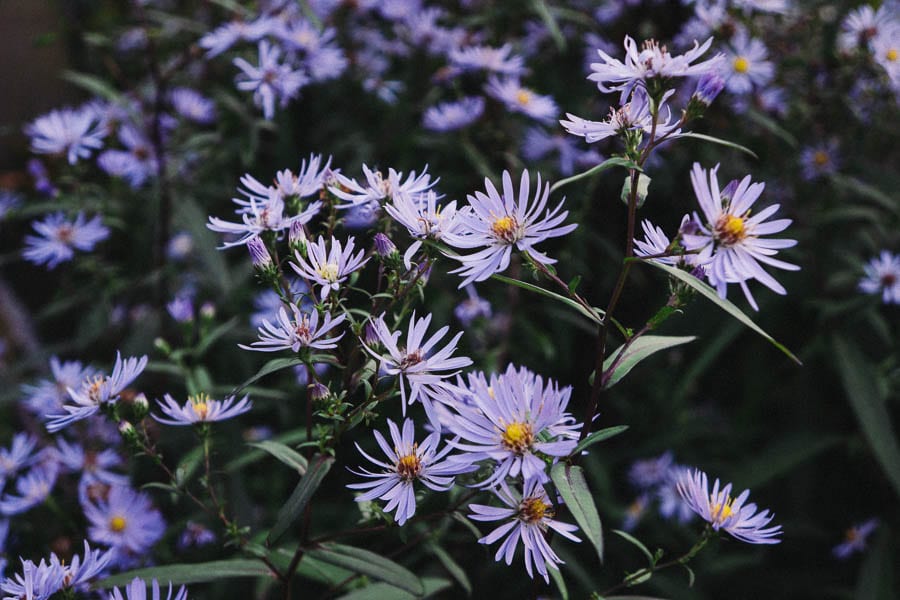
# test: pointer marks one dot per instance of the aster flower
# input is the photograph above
(196, 535)
(201, 409)
(329, 269)
(633, 115)
(137, 163)
(651, 472)
(270, 80)
(472, 307)
(126, 521)
(308, 181)
(417, 366)
(723, 512)
(863, 24)
(423, 217)
(96, 391)
(33, 488)
(73, 132)
(746, 64)
(92, 464)
(521, 99)
(261, 215)
(514, 421)
(652, 63)
(635, 512)
(855, 539)
(193, 105)
(137, 590)
(498, 222)
(448, 116)
(407, 462)
(538, 143)
(58, 238)
(728, 239)
(886, 52)
(225, 36)
(80, 571)
(18, 456)
(496, 60)
(36, 582)
(378, 188)
(819, 160)
(528, 517)
(9, 201)
(882, 276)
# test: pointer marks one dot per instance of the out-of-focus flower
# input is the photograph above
(181, 309)
(746, 64)
(36, 582)
(882, 276)
(408, 462)
(855, 539)
(303, 331)
(728, 240)
(863, 24)
(651, 472)
(448, 116)
(9, 201)
(511, 420)
(720, 510)
(59, 238)
(96, 391)
(820, 160)
(538, 143)
(33, 488)
(635, 512)
(472, 307)
(195, 535)
(329, 269)
(414, 362)
(137, 163)
(18, 456)
(528, 517)
(201, 408)
(126, 521)
(498, 222)
(222, 38)
(92, 464)
(137, 590)
(193, 105)
(521, 99)
(495, 60)
(72, 132)
(270, 81)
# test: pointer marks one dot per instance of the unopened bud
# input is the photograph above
(708, 87)
(297, 237)
(208, 311)
(140, 406)
(259, 254)
(370, 336)
(128, 433)
(318, 391)
(384, 246)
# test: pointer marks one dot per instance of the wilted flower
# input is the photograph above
(528, 517)
(722, 511)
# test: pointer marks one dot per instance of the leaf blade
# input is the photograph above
(638, 350)
(571, 485)
(301, 495)
(371, 564)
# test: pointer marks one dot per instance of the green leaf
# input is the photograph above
(285, 454)
(715, 140)
(543, 11)
(773, 127)
(633, 598)
(289, 437)
(456, 571)
(92, 84)
(635, 542)
(371, 564)
(861, 188)
(214, 335)
(384, 591)
(722, 303)
(637, 351)
(876, 576)
(598, 436)
(615, 161)
(558, 579)
(860, 383)
(595, 317)
(191, 573)
(570, 483)
(301, 495)
(273, 366)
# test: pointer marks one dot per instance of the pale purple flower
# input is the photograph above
(497, 222)
(855, 539)
(472, 307)
(137, 163)
(528, 517)
(181, 309)
(632, 115)
(80, 571)
(96, 391)
(329, 268)
(301, 331)
(271, 81)
(729, 239)
(308, 181)
(137, 590)
(651, 62)
(32, 489)
(512, 418)
(448, 116)
(378, 188)
(746, 65)
(126, 521)
(819, 160)
(36, 582)
(651, 472)
(261, 215)
(416, 362)
(59, 238)
(723, 512)
(72, 132)
(18, 456)
(656, 242)
(495, 60)
(882, 276)
(538, 143)
(863, 24)
(423, 217)
(407, 462)
(94, 465)
(886, 52)
(196, 535)
(225, 36)
(9, 201)
(193, 105)
(201, 408)
(521, 99)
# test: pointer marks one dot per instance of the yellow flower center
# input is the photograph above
(820, 158)
(721, 511)
(517, 437)
(892, 55)
(741, 64)
(730, 230)
(533, 510)
(328, 271)
(506, 228)
(200, 404)
(523, 97)
(409, 466)
(117, 524)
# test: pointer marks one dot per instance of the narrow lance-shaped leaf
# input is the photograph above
(722, 303)
(637, 351)
(371, 564)
(598, 436)
(593, 316)
(284, 453)
(571, 485)
(270, 367)
(191, 573)
(300, 496)
(720, 141)
(615, 161)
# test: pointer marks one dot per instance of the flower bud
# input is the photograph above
(297, 238)
(140, 406)
(259, 254)
(318, 391)
(208, 311)
(384, 246)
